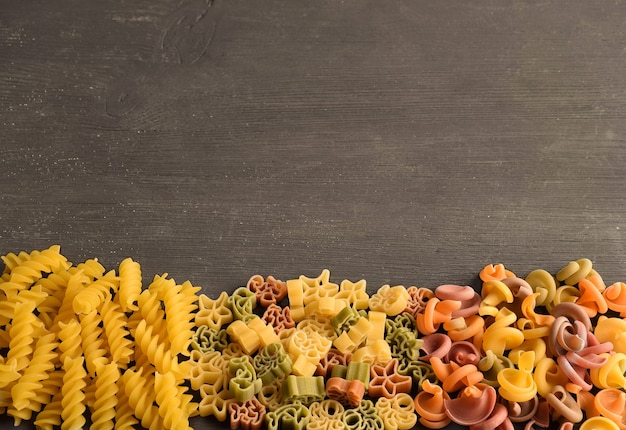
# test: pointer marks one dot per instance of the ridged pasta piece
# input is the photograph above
(26, 388)
(92, 296)
(12, 260)
(130, 284)
(103, 415)
(92, 342)
(116, 333)
(47, 402)
(170, 408)
(73, 395)
(21, 332)
(139, 387)
(39, 262)
(90, 268)
(124, 414)
(150, 310)
(69, 335)
(152, 353)
(179, 320)
(75, 284)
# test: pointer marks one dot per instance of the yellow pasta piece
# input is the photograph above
(390, 300)
(244, 336)
(377, 329)
(265, 333)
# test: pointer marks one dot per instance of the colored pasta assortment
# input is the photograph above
(82, 346)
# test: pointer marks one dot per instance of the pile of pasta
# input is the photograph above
(84, 346)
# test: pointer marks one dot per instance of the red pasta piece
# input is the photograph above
(278, 317)
(385, 381)
(346, 392)
(267, 291)
(249, 415)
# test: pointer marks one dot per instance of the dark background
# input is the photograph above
(404, 142)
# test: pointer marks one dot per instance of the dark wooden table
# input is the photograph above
(403, 142)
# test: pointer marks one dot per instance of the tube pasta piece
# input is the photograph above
(390, 300)
(268, 291)
(249, 415)
(385, 381)
(378, 323)
(397, 412)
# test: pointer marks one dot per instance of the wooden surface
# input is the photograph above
(404, 142)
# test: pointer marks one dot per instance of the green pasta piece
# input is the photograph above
(346, 318)
(359, 371)
(242, 302)
(293, 416)
(243, 383)
(339, 371)
(404, 343)
(207, 340)
(418, 370)
(404, 319)
(272, 362)
(304, 389)
(490, 366)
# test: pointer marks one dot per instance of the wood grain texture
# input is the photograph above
(403, 142)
